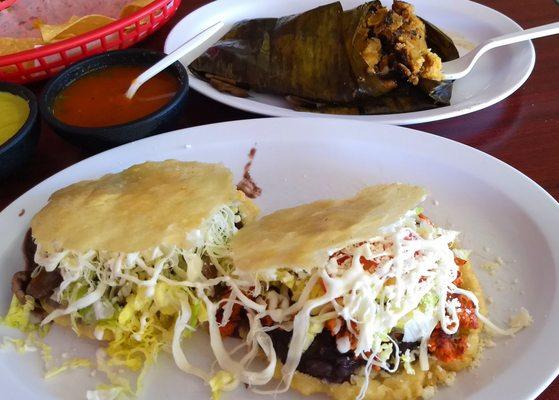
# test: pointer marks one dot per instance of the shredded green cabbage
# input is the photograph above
(132, 301)
(67, 365)
(220, 382)
(462, 253)
(107, 392)
(20, 317)
(315, 327)
(139, 331)
(406, 359)
(429, 301)
(22, 346)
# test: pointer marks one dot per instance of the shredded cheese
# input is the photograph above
(403, 277)
(521, 320)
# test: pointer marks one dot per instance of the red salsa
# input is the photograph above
(98, 99)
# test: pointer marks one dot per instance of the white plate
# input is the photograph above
(300, 160)
(497, 75)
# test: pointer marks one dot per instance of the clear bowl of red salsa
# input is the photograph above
(87, 106)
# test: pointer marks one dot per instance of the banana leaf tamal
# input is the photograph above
(368, 60)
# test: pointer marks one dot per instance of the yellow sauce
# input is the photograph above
(14, 111)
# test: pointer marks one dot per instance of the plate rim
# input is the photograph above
(416, 117)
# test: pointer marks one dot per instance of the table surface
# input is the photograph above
(521, 130)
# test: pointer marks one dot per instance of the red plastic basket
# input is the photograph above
(6, 3)
(46, 61)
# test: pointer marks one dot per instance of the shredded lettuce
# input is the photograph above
(462, 253)
(67, 365)
(22, 346)
(107, 392)
(119, 386)
(95, 282)
(287, 278)
(222, 381)
(20, 317)
(132, 301)
(429, 301)
(140, 330)
(218, 232)
(299, 286)
(33, 343)
(407, 359)
(315, 327)
(426, 306)
(386, 350)
(46, 350)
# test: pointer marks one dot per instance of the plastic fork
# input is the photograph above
(460, 67)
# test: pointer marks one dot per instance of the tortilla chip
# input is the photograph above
(74, 27)
(134, 6)
(15, 45)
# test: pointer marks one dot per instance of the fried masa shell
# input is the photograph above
(302, 237)
(140, 208)
(144, 206)
(397, 386)
(400, 385)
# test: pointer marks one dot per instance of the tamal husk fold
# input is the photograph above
(315, 59)
(301, 54)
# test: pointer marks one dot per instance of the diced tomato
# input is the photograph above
(331, 325)
(447, 347)
(425, 219)
(343, 259)
(267, 321)
(231, 326)
(368, 265)
(458, 281)
(467, 313)
(460, 262)
(340, 257)
(228, 329)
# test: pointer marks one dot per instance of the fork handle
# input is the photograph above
(532, 33)
(460, 67)
(185, 50)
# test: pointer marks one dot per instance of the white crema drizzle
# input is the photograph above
(413, 261)
(108, 277)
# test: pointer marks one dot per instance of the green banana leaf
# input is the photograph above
(314, 59)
